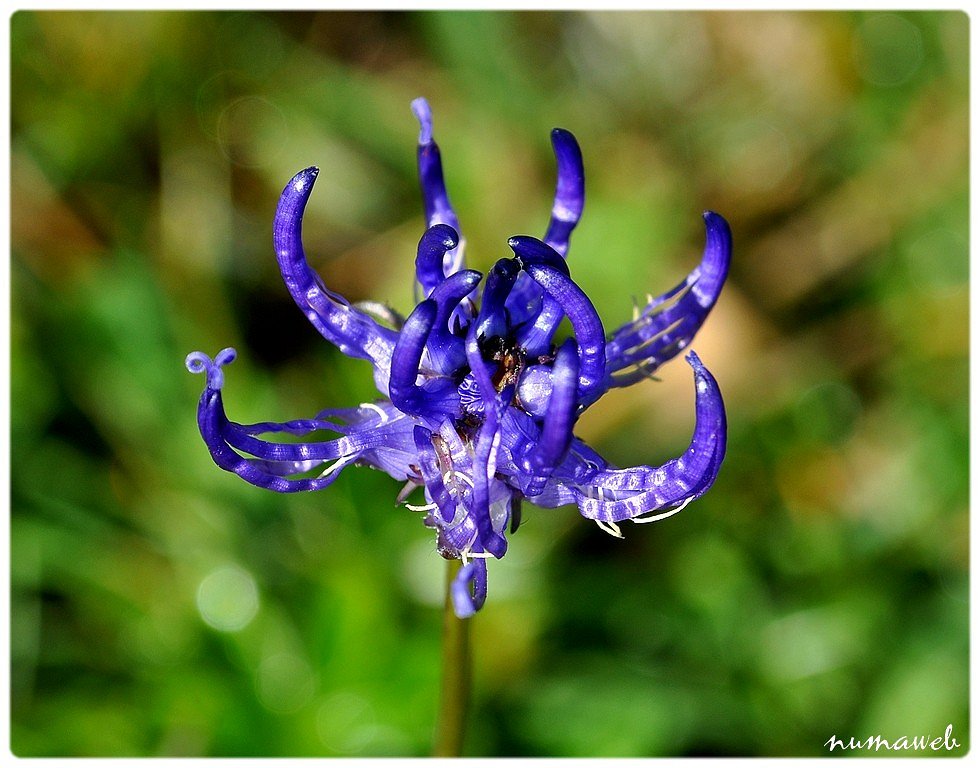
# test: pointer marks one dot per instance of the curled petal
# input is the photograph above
(435, 199)
(586, 324)
(535, 337)
(405, 394)
(437, 241)
(484, 454)
(569, 190)
(524, 301)
(493, 319)
(350, 330)
(445, 348)
(429, 465)
(530, 250)
(469, 588)
(274, 460)
(668, 323)
(435, 397)
(620, 494)
(559, 419)
(198, 362)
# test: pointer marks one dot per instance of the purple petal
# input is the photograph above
(620, 494)
(535, 337)
(445, 349)
(432, 474)
(351, 331)
(669, 322)
(493, 319)
(484, 464)
(530, 250)
(559, 419)
(273, 463)
(586, 324)
(436, 396)
(579, 467)
(469, 588)
(524, 301)
(569, 190)
(424, 114)
(435, 199)
(437, 241)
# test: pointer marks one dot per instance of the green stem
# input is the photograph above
(454, 692)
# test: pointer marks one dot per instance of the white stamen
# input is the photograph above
(421, 507)
(376, 409)
(663, 515)
(461, 476)
(611, 528)
(338, 465)
(407, 490)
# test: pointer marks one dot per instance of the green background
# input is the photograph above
(161, 606)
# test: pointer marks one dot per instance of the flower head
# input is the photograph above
(479, 400)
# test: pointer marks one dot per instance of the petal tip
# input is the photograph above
(196, 362)
(423, 113)
(450, 237)
(714, 220)
(303, 181)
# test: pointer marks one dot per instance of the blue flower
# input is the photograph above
(479, 401)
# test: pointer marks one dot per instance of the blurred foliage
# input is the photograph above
(163, 607)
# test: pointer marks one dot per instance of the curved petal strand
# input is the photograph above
(559, 420)
(435, 198)
(269, 470)
(432, 474)
(469, 588)
(535, 337)
(530, 250)
(435, 397)
(435, 243)
(668, 323)
(445, 348)
(492, 319)
(569, 190)
(353, 332)
(619, 494)
(587, 326)
(484, 454)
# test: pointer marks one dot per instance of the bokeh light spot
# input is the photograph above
(284, 683)
(346, 723)
(228, 598)
(888, 49)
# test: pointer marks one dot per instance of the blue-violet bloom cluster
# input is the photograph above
(479, 400)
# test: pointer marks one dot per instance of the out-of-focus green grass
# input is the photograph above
(163, 607)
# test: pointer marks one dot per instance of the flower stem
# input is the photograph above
(454, 693)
